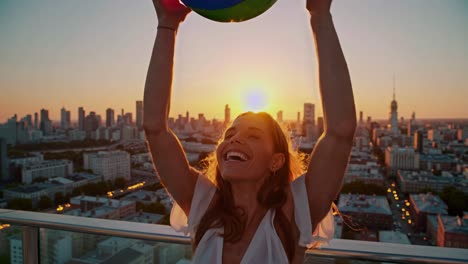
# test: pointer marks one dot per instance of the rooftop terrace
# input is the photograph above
(351, 250)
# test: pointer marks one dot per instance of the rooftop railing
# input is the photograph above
(33, 224)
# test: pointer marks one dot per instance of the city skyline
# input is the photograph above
(53, 57)
(291, 117)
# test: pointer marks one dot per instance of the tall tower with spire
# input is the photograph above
(227, 115)
(394, 113)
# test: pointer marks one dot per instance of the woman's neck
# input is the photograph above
(245, 197)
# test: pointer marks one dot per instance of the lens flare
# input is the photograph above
(255, 100)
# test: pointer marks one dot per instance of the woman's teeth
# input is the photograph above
(234, 155)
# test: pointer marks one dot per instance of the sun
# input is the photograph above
(255, 100)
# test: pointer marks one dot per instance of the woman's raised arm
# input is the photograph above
(168, 155)
(330, 156)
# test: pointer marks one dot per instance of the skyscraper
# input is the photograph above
(361, 116)
(8, 131)
(36, 121)
(81, 118)
(411, 125)
(91, 123)
(128, 119)
(69, 119)
(309, 113)
(308, 125)
(418, 141)
(46, 124)
(110, 120)
(200, 122)
(4, 173)
(227, 115)
(409, 128)
(201, 117)
(64, 118)
(298, 123)
(44, 115)
(28, 120)
(139, 114)
(279, 116)
(22, 131)
(394, 113)
(99, 120)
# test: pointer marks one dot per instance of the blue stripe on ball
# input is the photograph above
(210, 4)
(246, 10)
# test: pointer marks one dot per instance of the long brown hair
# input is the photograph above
(272, 194)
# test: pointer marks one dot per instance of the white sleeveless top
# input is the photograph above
(266, 246)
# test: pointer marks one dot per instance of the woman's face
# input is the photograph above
(246, 152)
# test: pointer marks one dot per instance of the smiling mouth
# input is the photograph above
(235, 156)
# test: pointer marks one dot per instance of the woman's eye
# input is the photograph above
(228, 136)
(254, 136)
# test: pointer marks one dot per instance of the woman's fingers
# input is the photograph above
(170, 12)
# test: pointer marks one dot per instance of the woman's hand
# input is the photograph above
(170, 12)
(319, 6)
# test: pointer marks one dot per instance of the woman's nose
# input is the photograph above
(236, 139)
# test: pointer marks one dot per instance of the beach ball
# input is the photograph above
(229, 10)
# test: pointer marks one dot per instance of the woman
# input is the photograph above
(251, 208)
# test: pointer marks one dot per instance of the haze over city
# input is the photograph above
(95, 55)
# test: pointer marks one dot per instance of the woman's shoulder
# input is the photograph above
(203, 195)
(301, 216)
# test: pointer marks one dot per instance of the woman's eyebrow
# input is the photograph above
(256, 128)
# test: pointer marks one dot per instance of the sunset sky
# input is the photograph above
(95, 54)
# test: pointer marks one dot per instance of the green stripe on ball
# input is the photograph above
(246, 10)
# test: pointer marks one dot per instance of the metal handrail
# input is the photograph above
(337, 248)
(94, 226)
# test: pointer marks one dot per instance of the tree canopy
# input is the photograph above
(455, 200)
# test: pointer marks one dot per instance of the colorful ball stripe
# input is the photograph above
(211, 4)
(245, 10)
